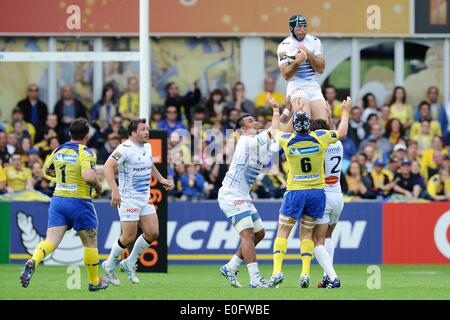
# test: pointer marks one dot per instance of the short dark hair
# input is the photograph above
(319, 124)
(79, 128)
(134, 124)
(239, 122)
(17, 110)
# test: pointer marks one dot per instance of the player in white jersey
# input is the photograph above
(133, 160)
(323, 245)
(301, 59)
(251, 152)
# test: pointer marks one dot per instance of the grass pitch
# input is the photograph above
(205, 282)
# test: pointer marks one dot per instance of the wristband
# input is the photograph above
(286, 112)
(276, 113)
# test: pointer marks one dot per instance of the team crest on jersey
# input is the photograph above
(116, 155)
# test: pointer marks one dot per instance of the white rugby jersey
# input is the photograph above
(134, 165)
(334, 156)
(304, 71)
(249, 157)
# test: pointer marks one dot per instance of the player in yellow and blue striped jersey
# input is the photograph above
(73, 166)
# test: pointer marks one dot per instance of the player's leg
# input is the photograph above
(301, 104)
(42, 250)
(238, 258)
(318, 109)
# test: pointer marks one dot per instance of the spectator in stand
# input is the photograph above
(216, 176)
(192, 184)
(4, 153)
(18, 178)
(103, 111)
(33, 157)
(262, 105)
(384, 116)
(400, 151)
(155, 118)
(129, 101)
(12, 142)
(369, 106)
(423, 137)
(358, 184)
(20, 131)
(329, 93)
(240, 102)
(372, 120)
(171, 122)
(424, 114)
(108, 147)
(413, 150)
(394, 131)
(382, 185)
(438, 186)
(356, 130)
(407, 183)
(428, 156)
(399, 108)
(382, 143)
(362, 159)
(176, 171)
(51, 124)
(232, 117)
(2, 179)
(392, 167)
(34, 110)
(39, 182)
(438, 159)
(116, 127)
(53, 144)
(216, 105)
(43, 147)
(437, 110)
(25, 128)
(24, 147)
(67, 109)
(184, 104)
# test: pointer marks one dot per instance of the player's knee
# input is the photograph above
(152, 235)
(247, 235)
(260, 235)
(127, 239)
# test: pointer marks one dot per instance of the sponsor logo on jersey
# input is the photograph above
(333, 134)
(238, 203)
(132, 210)
(71, 158)
(116, 155)
(66, 187)
(331, 180)
(308, 150)
(303, 177)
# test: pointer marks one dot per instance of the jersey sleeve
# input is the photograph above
(317, 47)
(432, 186)
(326, 137)
(282, 138)
(88, 159)
(120, 154)
(281, 53)
(49, 167)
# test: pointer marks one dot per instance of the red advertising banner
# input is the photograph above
(416, 233)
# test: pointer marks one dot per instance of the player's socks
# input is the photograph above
(115, 253)
(253, 270)
(91, 263)
(329, 245)
(279, 249)
(324, 260)
(234, 263)
(42, 250)
(306, 250)
(139, 247)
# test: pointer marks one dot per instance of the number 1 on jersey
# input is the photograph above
(63, 174)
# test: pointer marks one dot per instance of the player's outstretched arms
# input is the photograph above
(167, 184)
(110, 175)
(288, 69)
(343, 125)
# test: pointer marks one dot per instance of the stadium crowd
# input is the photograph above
(393, 151)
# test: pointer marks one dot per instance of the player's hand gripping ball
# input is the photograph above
(292, 53)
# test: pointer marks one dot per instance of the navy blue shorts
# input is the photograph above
(75, 213)
(297, 202)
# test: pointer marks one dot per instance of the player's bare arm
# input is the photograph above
(343, 125)
(317, 61)
(287, 69)
(167, 184)
(110, 176)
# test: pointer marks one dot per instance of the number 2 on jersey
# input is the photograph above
(335, 170)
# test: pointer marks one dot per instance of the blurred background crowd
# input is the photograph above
(393, 151)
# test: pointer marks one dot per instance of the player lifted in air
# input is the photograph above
(301, 59)
(323, 245)
(304, 198)
(73, 165)
(133, 159)
(251, 152)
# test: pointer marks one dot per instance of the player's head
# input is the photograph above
(298, 26)
(79, 130)
(319, 124)
(247, 124)
(302, 122)
(138, 130)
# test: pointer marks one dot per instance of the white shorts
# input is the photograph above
(309, 90)
(132, 209)
(232, 203)
(333, 208)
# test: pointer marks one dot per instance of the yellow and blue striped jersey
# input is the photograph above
(305, 154)
(68, 162)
